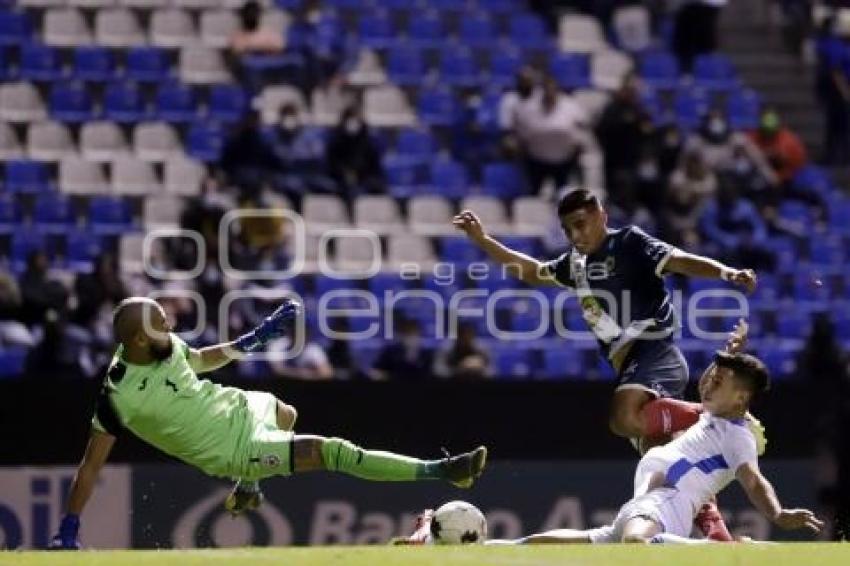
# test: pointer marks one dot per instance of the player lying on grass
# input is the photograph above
(635, 325)
(673, 481)
(152, 390)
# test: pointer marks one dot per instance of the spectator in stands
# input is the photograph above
(39, 293)
(339, 350)
(465, 358)
(353, 157)
(12, 331)
(98, 293)
(246, 157)
(310, 362)
(250, 38)
(696, 30)
(833, 92)
(525, 89)
(406, 358)
(692, 185)
(721, 146)
(301, 151)
(781, 147)
(551, 131)
(734, 231)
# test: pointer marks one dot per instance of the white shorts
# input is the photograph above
(666, 506)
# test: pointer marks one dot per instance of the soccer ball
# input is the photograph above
(458, 522)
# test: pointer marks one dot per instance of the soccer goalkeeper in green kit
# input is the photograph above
(151, 390)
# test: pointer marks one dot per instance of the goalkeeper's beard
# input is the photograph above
(160, 352)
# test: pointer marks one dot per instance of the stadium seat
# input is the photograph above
(387, 106)
(93, 63)
(827, 251)
(571, 70)
(356, 254)
(53, 213)
(79, 176)
(379, 214)
(632, 26)
(205, 141)
(176, 103)
(438, 107)
(417, 146)
(23, 244)
(562, 362)
(23, 176)
(324, 212)
(504, 65)
(65, 27)
(146, 64)
(13, 361)
(458, 249)
(477, 30)
(202, 65)
(580, 33)
(805, 290)
(527, 31)
(690, 105)
(227, 103)
(39, 63)
(839, 216)
(10, 213)
(512, 363)
(382, 283)
(117, 28)
(503, 180)
(609, 68)
(449, 179)
(532, 216)
(376, 31)
(528, 245)
(102, 141)
(714, 72)
(426, 32)
(743, 108)
(49, 141)
(409, 249)
(20, 102)
(217, 26)
(659, 69)
(15, 28)
(184, 176)
(490, 210)
(123, 103)
(402, 176)
(458, 68)
(10, 146)
(779, 359)
(273, 98)
(405, 66)
(155, 141)
(366, 69)
(131, 254)
(81, 250)
(71, 103)
(793, 323)
(132, 176)
(592, 101)
(109, 215)
(162, 211)
(429, 215)
(171, 28)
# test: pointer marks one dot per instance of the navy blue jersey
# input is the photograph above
(620, 287)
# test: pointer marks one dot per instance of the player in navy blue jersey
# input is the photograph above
(617, 276)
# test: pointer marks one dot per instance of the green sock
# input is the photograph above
(343, 456)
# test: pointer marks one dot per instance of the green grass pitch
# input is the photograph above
(799, 554)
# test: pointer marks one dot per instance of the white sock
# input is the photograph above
(667, 538)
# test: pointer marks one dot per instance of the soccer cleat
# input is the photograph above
(240, 500)
(757, 429)
(464, 469)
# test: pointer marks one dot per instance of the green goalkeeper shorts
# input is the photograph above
(268, 450)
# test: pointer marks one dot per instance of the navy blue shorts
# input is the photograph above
(657, 366)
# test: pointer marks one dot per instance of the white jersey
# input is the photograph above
(703, 460)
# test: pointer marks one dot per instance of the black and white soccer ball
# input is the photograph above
(458, 522)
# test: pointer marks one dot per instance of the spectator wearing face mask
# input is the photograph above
(247, 158)
(716, 139)
(465, 358)
(300, 149)
(250, 38)
(353, 157)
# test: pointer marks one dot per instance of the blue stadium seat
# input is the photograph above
(402, 176)
(495, 280)
(477, 30)
(827, 251)
(380, 283)
(288, 4)
(839, 216)
(426, 32)
(227, 103)
(15, 28)
(438, 107)
(814, 179)
(71, 103)
(659, 69)
(6, 69)
(416, 145)
(529, 32)
(446, 287)
(500, 6)
(348, 4)
(12, 361)
(563, 362)
(487, 113)
(147, 64)
(504, 65)
(689, 106)
(714, 72)
(24, 176)
(528, 245)
(502, 179)
(364, 353)
(571, 70)
(796, 211)
(204, 141)
(791, 323)
(53, 213)
(743, 108)
(805, 290)
(458, 68)
(458, 249)
(841, 320)
(24, 243)
(81, 249)
(10, 213)
(405, 66)
(123, 103)
(446, 5)
(110, 216)
(39, 63)
(449, 178)
(376, 31)
(779, 359)
(512, 363)
(325, 284)
(176, 103)
(93, 63)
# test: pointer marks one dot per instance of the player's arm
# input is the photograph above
(692, 265)
(518, 264)
(98, 448)
(213, 357)
(763, 498)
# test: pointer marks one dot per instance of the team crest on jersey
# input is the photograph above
(270, 460)
(598, 270)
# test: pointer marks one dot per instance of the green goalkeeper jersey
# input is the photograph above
(165, 404)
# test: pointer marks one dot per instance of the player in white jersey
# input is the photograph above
(673, 481)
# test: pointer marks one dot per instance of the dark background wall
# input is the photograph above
(46, 420)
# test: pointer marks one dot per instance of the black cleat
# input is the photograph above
(464, 469)
(240, 500)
